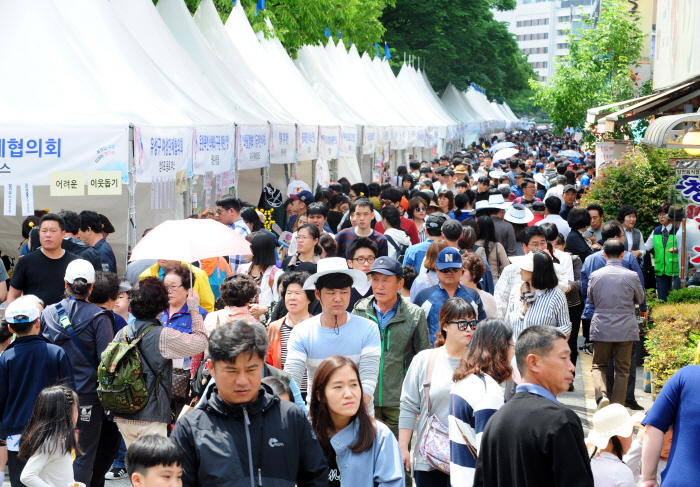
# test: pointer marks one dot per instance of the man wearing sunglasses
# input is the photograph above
(449, 266)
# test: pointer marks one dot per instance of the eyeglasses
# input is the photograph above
(363, 260)
(449, 270)
(172, 288)
(219, 211)
(421, 208)
(462, 325)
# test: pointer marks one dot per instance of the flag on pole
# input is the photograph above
(259, 6)
(387, 53)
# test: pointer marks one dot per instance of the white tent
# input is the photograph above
(457, 104)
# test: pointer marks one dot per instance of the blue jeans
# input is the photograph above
(664, 285)
(119, 461)
(431, 478)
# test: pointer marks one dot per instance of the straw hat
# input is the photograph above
(613, 420)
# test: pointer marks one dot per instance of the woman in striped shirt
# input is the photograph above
(477, 395)
(537, 301)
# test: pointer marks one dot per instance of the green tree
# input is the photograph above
(460, 42)
(299, 22)
(596, 71)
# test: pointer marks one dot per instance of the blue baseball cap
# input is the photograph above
(496, 164)
(387, 266)
(449, 258)
(305, 196)
(539, 165)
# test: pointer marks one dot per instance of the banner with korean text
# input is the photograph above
(28, 154)
(307, 142)
(282, 144)
(213, 149)
(328, 142)
(348, 142)
(253, 146)
(369, 140)
(160, 152)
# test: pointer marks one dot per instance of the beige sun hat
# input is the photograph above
(613, 420)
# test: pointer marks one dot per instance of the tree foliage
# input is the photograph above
(596, 71)
(460, 42)
(299, 22)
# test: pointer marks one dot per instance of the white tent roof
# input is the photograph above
(229, 74)
(141, 18)
(459, 107)
(284, 84)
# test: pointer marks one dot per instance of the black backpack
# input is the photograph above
(400, 249)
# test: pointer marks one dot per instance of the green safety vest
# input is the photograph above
(665, 263)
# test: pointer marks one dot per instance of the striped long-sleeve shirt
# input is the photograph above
(472, 402)
(310, 344)
(549, 309)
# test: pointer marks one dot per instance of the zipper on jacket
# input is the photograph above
(250, 449)
(260, 477)
(380, 396)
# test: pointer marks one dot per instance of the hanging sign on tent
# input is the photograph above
(29, 153)
(328, 142)
(323, 177)
(411, 140)
(401, 138)
(420, 137)
(104, 183)
(369, 140)
(307, 142)
(433, 134)
(282, 146)
(161, 151)
(348, 142)
(181, 181)
(229, 180)
(67, 183)
(384, 135)
(10, 205)
(213, 149)
(27, 199)
(253, 146)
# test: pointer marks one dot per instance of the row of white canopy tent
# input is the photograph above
(121, 85)
(477, 112)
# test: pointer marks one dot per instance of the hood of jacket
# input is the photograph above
(81, 312)
(212, 402)
(399, 236)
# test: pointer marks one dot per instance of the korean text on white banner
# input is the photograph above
(604, 153)
(213, 149)
(28, 154)
(282, 146)
(307, 142)
(160, 152)
(369, 140)
(328, 142)
(420, 137)
(348, 142)
(401, 137)
(412, 134)
(253, 146)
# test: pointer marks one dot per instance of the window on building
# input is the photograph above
(566, 18)
(563, 45)
(543, 78)
(561, 32)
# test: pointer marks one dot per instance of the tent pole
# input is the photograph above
(266, 169)
(131, 188)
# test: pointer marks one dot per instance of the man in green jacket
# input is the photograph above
(403, 328)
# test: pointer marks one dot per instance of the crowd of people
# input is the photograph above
(416, 331)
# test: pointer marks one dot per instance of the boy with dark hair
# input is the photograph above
(91, 234)
(71, 242)
(29, 365)
(362, 211)
(361, 254)
(241, 432)
(335, 331)
(151, 458)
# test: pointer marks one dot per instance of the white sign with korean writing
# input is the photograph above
(369, 140)
(213, 149)
(161, 151)
(420, 137)
(400, 137)
(27, 199)
(604, 153)
(282, 145)
(411, 140)
(348, 142)
(253, 146)
(328, 142)
(10, 206)
(31, 153)
(307, 142)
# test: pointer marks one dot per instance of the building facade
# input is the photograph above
(541, 27)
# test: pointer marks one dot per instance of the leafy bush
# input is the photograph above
(687, 295)
(672, 342)
(641, 178)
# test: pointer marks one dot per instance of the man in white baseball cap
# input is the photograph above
(335, 331)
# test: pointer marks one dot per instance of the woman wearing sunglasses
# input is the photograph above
(457, 324)
(417, 211)
(477, 395)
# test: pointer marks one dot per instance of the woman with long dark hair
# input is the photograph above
(538, 301)
(264, 271)
(494, 251)
(446, 201)
(477, 395)
(308, 251)
(360, 451)
(417, 211)
(457, 324)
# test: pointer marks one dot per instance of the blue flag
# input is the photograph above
(259, 6)
(376, 46)
(387, 53)
(327, 32)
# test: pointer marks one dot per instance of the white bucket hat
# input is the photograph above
(334, 265)
(518, 213)
(480, 205)
(496, 201)
(496, 173)
(613, 420)
(540, 178)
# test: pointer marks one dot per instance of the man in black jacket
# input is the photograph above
(534, 439)
(240, 434)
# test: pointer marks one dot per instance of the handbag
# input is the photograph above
(181, 384)
(434, 444)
